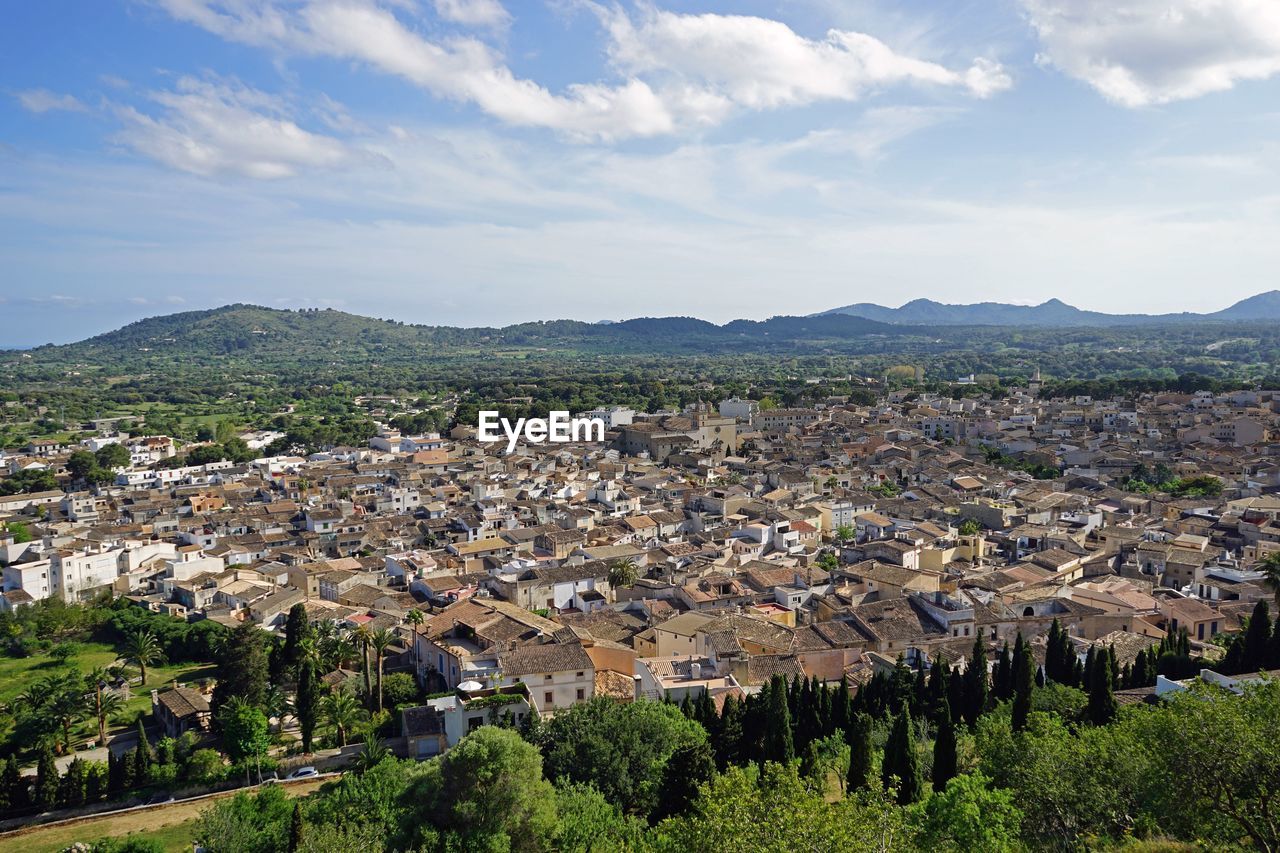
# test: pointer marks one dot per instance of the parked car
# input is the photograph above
(303, 773)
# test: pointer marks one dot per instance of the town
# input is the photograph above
(397, 597)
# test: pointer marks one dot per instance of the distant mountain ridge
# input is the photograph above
(1055, 312)
(267, 333)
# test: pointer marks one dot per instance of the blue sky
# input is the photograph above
(483, 162)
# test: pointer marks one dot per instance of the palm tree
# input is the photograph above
(372, 755)
(1270, 568)
(414, 619)
(361, 636)
(142, 649)
(623, 572)
(64, 703)
(381, 640)
(342, 712)
(105, 703)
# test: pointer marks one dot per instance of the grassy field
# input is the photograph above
(171, 825)
(17, 675)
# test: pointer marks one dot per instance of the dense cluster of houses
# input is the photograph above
(701, 550)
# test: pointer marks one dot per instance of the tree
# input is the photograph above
(112, 456)
(45, 792)
(297, 628)
(80, 464)
(770, 809)
(779, 745)
(489, 793)
(361, 636)
(306, 703)
(71, 791)
(414, 619)
(729, 733)
(970, 815)
(242, 666)
(845, 533)
(860, 758)
(296, 827)
(689, 767)
(589, 822)
(620, 749)
(1257, 639)
(143, 649)
(14, 788)
(1270, 568)
(245, 731)
(975, 684)
(1024, 669)
(1002, 677)
(105, 703)
(380, 640)
(944, 753)
(623, 573)
(1102, 701)
(343, 712)
(900, 769)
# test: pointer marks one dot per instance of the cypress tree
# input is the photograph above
(779, 745)
(1023, 679)
(826, 711)
(944, 751)
(14, 785)
(295, 829)
(686, 707)
(1113, 667)
(140, 762)
(144, 745)
(297, 628)
(901, 762)
(1053, 654)
(93, 786)
(955, 696)
(71, 789)
(919, 693)
(1002, 680)
(1257, 638)
(688, 768)
(859, 777)
(975, 684)
(755, 710)
(46, 787)
(809, 725)
(307, 701)
(728, 737)
(841, 712)
(115, 774)
(1102, 701)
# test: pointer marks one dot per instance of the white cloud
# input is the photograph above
(44, 101)
(759, 63)
(474, 13)
(210, 128)
(1142, 52)
(676, 71)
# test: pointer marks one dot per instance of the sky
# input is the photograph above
(485, 162)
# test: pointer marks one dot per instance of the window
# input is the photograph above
(579, 674)
(546, 677)
(546, 699)
(582, 694)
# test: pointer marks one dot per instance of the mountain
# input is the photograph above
(268, 335)
(1055, 312)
